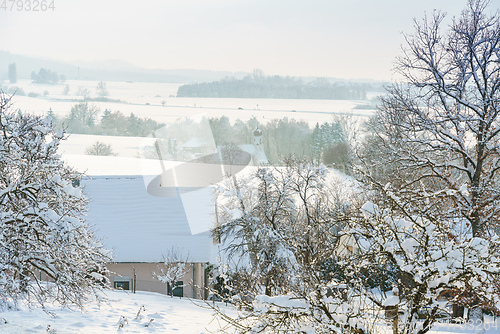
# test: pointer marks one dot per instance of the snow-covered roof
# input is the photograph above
(197, 143)
(141, 227)
(110, 165)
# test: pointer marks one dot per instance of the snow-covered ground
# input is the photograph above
(171, 315)
(121, 146)
(146, 100)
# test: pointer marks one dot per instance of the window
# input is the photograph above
(122, 283)
(178, 289)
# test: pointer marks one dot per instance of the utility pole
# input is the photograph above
(134, 284)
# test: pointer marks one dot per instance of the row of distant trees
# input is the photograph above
(259, 85)
(282, 138)
(46, 76)
(327, 143)
(256, 85)
(86, 118)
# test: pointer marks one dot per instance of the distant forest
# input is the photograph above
(259, 85)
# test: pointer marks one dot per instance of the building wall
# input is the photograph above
(347, 245)
(193, 280)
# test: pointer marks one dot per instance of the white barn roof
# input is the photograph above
(140, 227)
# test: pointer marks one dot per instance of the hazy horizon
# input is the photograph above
(351, 40)
(122, 65)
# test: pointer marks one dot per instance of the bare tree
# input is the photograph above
(176, 266)
(102, 90)
(438, 135)
(432, 219)
(281, 227)
(82, 118)
(82, 91)
(100, 148)
(351, 128)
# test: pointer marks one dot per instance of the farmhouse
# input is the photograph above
(141, 225)
(141, 229)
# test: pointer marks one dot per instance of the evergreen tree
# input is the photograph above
(12, 73)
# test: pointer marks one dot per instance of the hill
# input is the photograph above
(104, 71)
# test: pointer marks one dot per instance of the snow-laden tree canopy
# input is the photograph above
(430, 167)
(43, 234)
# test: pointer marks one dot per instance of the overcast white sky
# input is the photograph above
(334, 38)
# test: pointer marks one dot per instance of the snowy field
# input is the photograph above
(145, 100)
(121, 146)
(171, 315)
